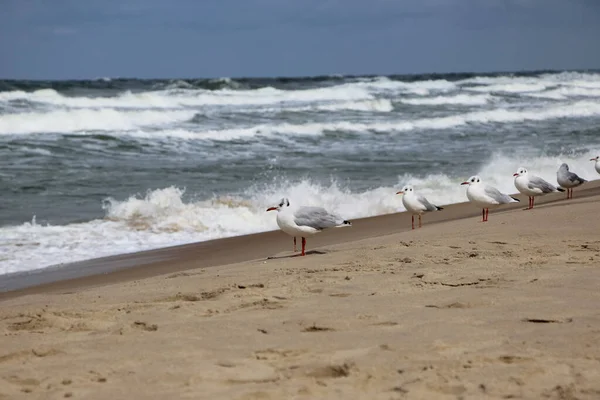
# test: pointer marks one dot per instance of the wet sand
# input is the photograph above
(457, 309)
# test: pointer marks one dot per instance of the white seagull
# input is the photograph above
(485, 196)
(597, 164)
(568, 180)
(415, 204)
(305, 221)
(532, 186)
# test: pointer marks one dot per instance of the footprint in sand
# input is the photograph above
(213, 294)
(26, 385)
(30, 323)
(451, 305)
(277, 354)
(330, 371)
(145, 326)
(386, 323)
(315, 328)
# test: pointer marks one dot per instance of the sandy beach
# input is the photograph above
(456, 310)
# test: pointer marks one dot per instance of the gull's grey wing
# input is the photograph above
(498, 195)
(573, 178)
(317, 217)
(536, 182)
(427, 204)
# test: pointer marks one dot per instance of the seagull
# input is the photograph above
(486, 196)
(568, 180)
(415, 204)
(532, 186)
(305, 221)
(597, 164)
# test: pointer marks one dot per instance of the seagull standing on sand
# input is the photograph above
(415, 204)
(568, 180)
(532, 186)
(305, 221)
(597, 164)
(485, 196)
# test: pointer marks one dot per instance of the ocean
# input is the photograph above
(109, 166)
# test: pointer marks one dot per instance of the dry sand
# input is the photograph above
(458, 309)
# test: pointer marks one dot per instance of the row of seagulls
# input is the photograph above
(488, 197)
(307, 221)
(478, 193)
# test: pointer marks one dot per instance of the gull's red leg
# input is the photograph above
(295, 248)
(303, 246)
(419, 220)
(413, 221)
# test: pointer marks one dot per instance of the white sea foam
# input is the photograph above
(376, 105)
(511, 87)
(334, 101)
(422, 88)
(567, 92)
(175, 98)
(530, 85)
(463, 99)
(133, 122)
(572, 77)
(162, 217)
(66, 121)
(186, 96)
(575, 110)
(13, 95)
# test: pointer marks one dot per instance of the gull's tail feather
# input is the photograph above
(560, 189)
(515, 199)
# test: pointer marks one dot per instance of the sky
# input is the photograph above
(80, 39)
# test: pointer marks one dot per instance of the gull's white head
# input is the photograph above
(285, 202)
(520, 172)
(563, 166)
(474, 180)
(406, 190)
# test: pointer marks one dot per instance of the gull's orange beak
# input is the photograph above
(515, 174)
(465, 183)
(400, 192)
(271, 208)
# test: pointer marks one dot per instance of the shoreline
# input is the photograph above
(216, 252)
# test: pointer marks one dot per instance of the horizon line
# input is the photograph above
(313, 77)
